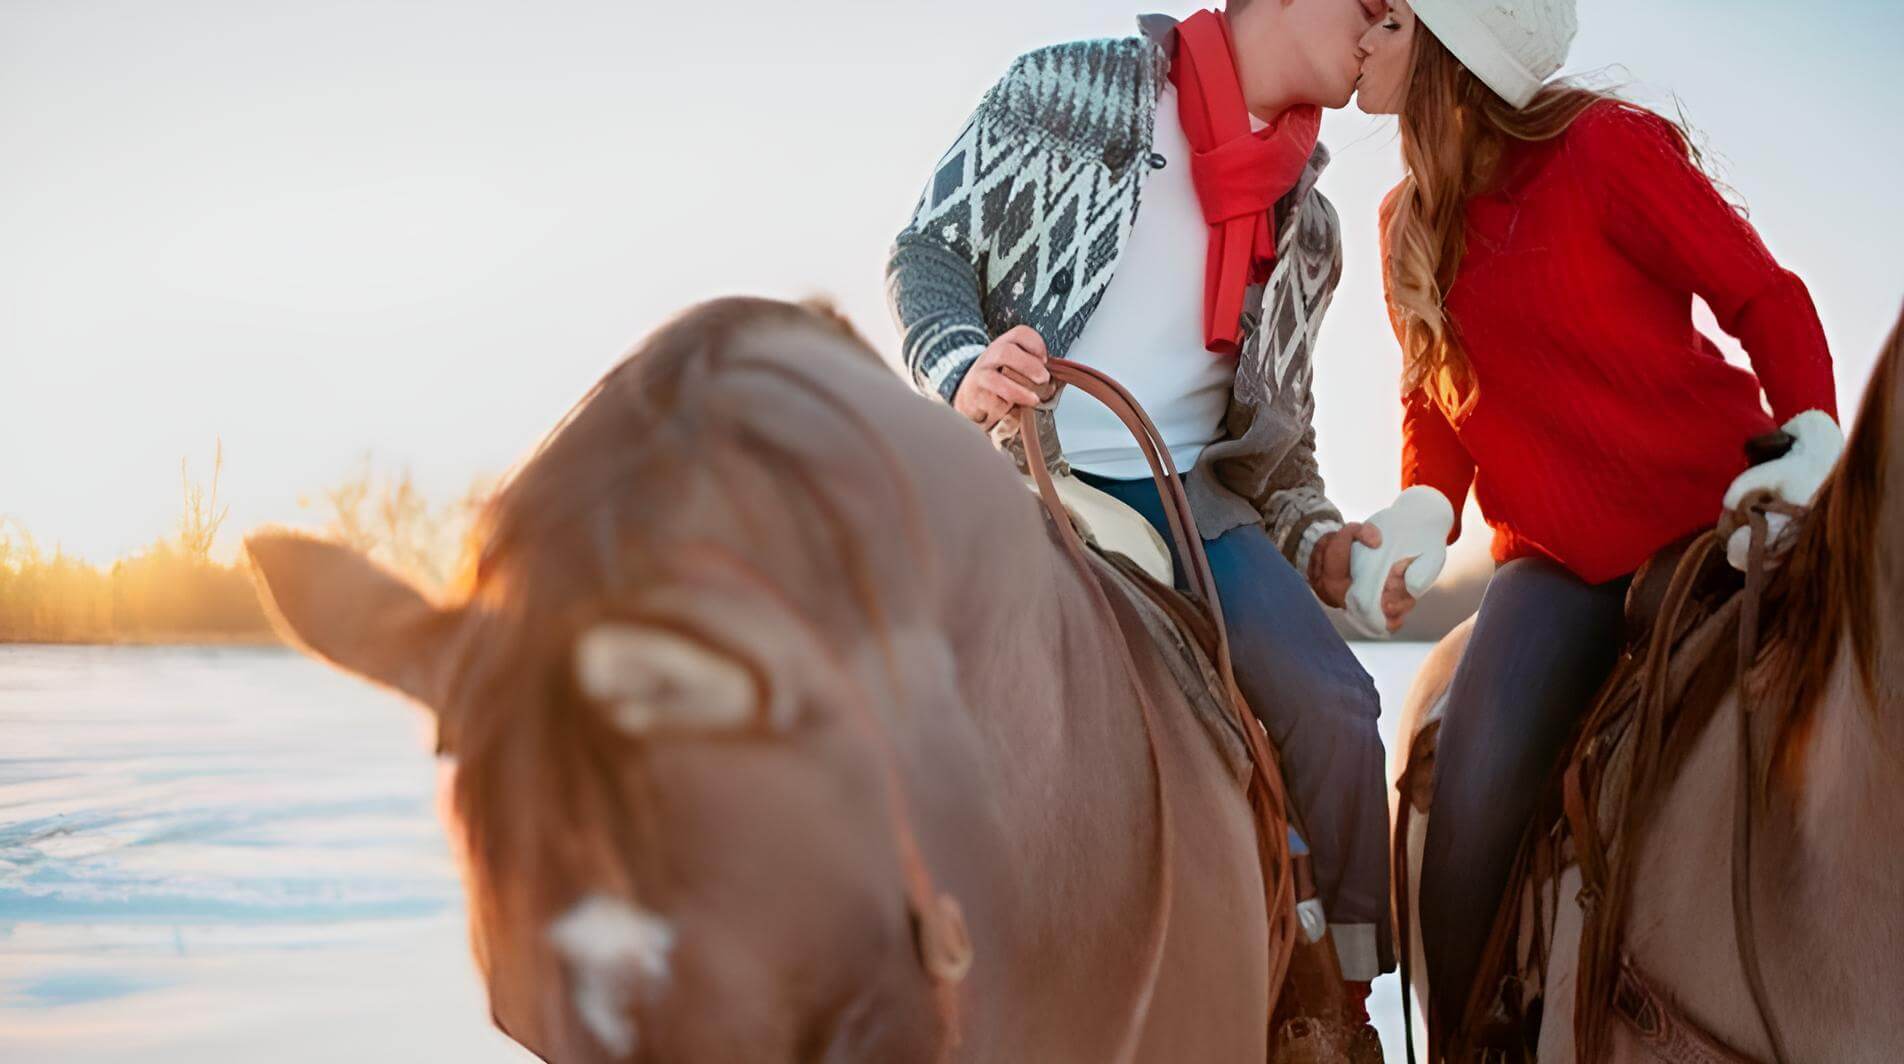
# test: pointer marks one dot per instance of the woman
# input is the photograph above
(1540, 259)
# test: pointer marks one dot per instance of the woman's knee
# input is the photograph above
(1542, 635)
(1546, 595)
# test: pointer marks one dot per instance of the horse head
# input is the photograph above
(701, 630)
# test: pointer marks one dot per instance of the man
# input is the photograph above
(1029, 243)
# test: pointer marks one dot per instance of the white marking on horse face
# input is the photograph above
(657, 679)
(610, 948)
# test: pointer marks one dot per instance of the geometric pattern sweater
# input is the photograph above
(1023, 223)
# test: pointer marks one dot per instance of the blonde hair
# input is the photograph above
(1453, 130)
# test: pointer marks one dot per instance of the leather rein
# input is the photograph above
(1607, 877)
(944, 946)
(1265, 792)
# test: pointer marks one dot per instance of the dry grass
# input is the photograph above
(174, 591)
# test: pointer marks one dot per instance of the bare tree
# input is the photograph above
(201, 517)
(387, 516)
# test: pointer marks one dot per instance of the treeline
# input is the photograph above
(159, 595)
(174, 591)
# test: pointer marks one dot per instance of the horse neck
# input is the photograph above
(1848, 769)
(1848, 746)
(1859, 752)
(1834, 872)
(1887, 539)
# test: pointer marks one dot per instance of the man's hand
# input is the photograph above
(1329, 560)
(1010, 374)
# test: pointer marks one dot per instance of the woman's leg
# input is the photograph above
(1543, 644)
(1320, 707)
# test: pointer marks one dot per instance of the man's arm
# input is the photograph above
(1297, 511)
(1307, 526)
(933, 291)
(934, 278)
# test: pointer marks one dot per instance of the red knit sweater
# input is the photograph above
(1602, 425)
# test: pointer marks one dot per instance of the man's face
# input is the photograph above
(1329, 35)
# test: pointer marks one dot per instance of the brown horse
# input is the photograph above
(766, 668)
(1826, 872)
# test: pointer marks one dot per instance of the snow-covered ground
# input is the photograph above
(232, 855)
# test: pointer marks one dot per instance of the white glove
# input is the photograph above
(1794, 478)
(1414, 529)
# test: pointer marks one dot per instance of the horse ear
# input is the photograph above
(338, 605)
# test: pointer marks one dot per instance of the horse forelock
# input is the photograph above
(1825, 600)
(720, 430)
(713, 446)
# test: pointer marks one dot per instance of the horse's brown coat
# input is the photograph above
(752, 476)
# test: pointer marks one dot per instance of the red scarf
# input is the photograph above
(1239, 174)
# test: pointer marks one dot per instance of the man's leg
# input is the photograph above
(1320, 708)
(1543, 644)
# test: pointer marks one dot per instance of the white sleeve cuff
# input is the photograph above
(950, 367)
(1306, 547)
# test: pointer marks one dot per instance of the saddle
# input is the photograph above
(1111, 526)
(1130, 561)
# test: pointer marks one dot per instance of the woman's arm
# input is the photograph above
(1432, 455)
(1667, 216)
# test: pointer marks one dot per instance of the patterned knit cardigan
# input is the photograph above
(1023, 223)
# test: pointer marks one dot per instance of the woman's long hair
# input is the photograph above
(1454, 129)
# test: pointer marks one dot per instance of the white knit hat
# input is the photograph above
(1513, 46)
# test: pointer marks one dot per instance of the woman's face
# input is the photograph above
(1386, 50)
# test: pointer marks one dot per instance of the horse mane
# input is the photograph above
(1826, 591)
(624, 424)
(584, 519)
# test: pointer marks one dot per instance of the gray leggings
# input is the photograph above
(1543, 644)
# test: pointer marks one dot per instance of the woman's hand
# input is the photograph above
(1407, 557)
(1817, 441)
(1003, 379)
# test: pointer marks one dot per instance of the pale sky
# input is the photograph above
(422, 228)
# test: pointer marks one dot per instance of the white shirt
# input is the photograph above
(1147, 331)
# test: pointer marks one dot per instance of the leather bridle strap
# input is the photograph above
(1426, 741)
(1746, 795)
(1581, 788)
(1266, 791)
(1139, 1009)
(938, 923)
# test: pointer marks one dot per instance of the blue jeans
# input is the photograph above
(1543, 644)
(1320, 708)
